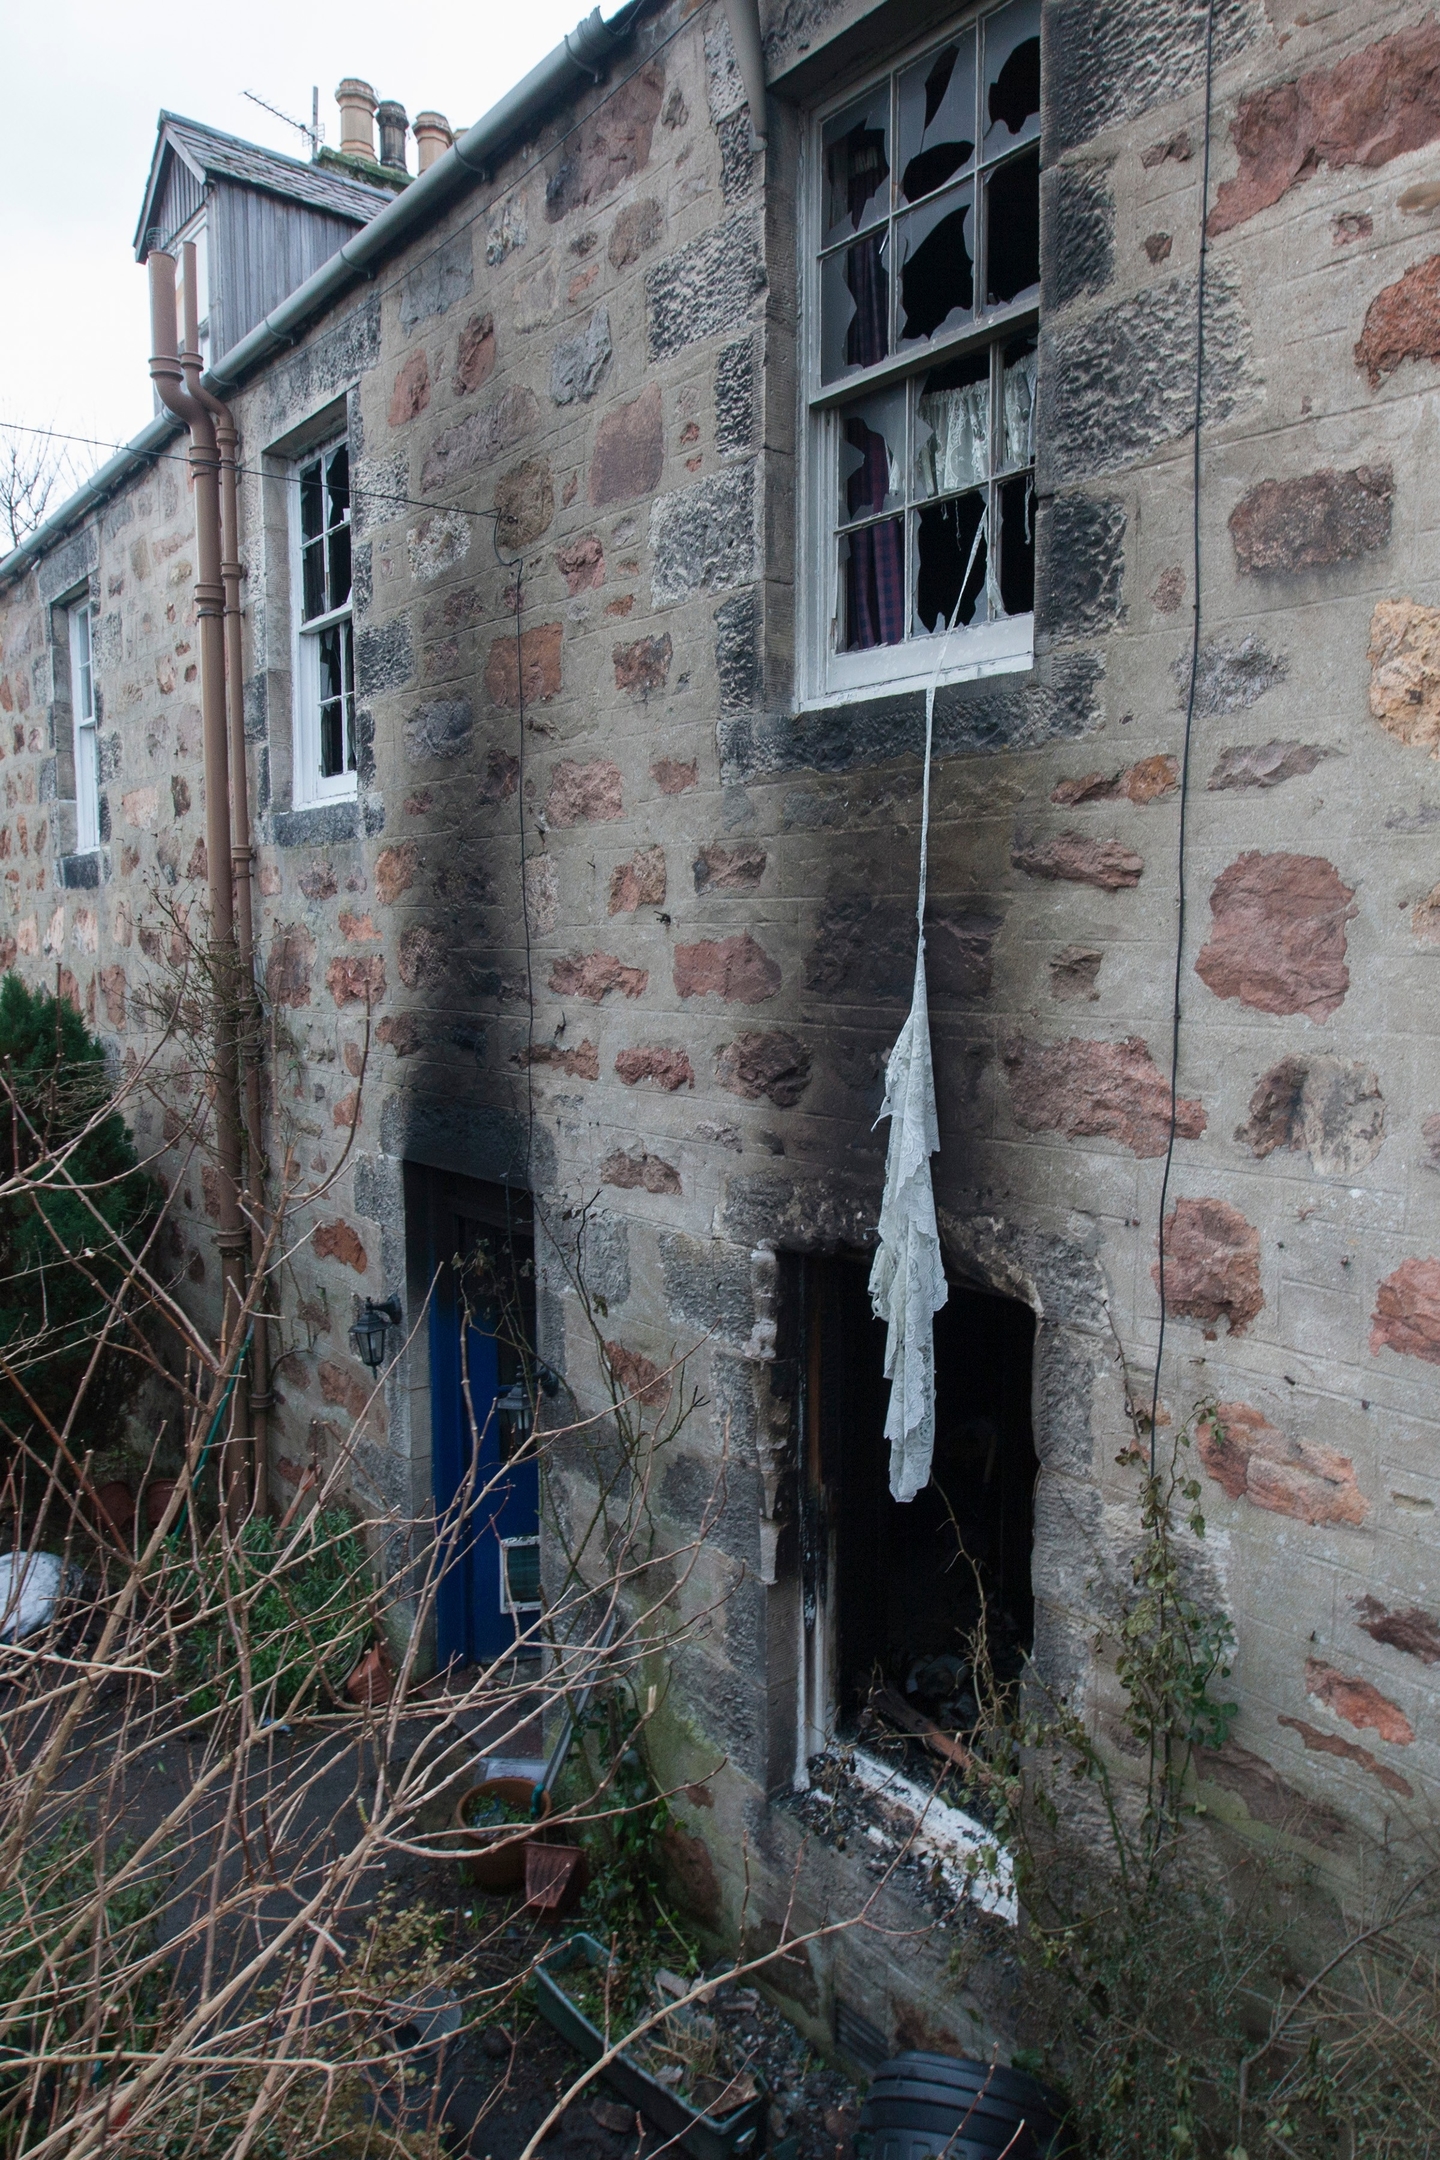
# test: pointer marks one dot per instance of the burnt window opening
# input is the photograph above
(893, 1594)
(924, 355)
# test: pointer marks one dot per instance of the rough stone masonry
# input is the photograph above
(598, 345)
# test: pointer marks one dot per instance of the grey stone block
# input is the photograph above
(438, 281)
(705, 288)
(702, 538)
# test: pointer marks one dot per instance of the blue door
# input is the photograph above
(489, 1521)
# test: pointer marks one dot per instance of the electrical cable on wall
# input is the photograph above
(1194, 673)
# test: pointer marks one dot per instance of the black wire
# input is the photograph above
(517, 564)
(1189, 722)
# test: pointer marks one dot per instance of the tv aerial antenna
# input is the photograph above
(313, 132)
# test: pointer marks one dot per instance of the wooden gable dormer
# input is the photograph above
(263, 222)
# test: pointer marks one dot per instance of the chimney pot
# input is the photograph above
(433, 137)
(394, 127)
(356, 100)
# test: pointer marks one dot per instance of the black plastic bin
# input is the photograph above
(922, 2106)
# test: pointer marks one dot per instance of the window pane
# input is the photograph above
(1017, 545)
(952, 426)
(855, 148)
(337, 475)
(331, 679)
(332, 740)
(872, 456)
(1012, 230)
(1012, 76)
(339, 547)
(1018, 403)
(313, 565)
(82, 690)
(855, 306)
(950, 551)
(937, 266)
(937, 118)
(347, 654)
(872, 564)
(312, 502)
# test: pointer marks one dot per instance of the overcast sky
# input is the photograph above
(84, 82)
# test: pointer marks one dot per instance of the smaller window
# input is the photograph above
(325, 761)
(194, 231)
(520, 1574)
(87, 750)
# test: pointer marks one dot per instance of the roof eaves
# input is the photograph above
(577, 59)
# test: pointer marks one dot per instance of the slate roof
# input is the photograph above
(209, 151)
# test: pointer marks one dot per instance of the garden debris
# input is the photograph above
(31, 1586)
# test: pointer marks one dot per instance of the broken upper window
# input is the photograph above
(927, 250)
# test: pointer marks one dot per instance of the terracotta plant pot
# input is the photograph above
(116, 1505)
(157, 1499)
(495, 1853)
(371, 1682)
(555, 1878)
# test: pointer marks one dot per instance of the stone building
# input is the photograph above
(602, 512)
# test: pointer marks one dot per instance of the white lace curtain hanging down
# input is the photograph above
(907, 1280)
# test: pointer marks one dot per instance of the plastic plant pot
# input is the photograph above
(705, 2137)
(921, 2105)
(495, 1852)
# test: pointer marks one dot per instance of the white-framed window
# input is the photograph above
(922, 279)
(87, 748)
(325, 764)
(519, 1574)
(194, 231)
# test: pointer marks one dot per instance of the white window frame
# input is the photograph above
(826, 676)
(86, 730)
(508, 1602)
(309, 785)
(195, 231)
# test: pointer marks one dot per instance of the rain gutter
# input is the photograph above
(581, 57)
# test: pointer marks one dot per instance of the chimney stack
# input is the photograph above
(394, 127)
(356, 100)
(433, 137)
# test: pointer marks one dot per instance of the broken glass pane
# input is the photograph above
(1012, 76)
(952, 426)
(937, 267)
(337, 475)
(950, 550)
(937, 118)
(1017, 545)
(856, 153)
(1012, 232)
(872, 569)
(332, 704)
(855, 306)
(1017, 417)
(872, 456)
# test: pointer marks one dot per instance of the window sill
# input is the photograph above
(1002, 648)
(81, 871)
(321, 824)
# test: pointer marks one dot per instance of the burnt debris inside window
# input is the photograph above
(899, 1592)
(929, 252)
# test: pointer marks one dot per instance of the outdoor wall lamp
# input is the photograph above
(367, 1337)
(515, 1408)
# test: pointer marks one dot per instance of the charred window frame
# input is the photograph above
(923, 275)
(325, 766)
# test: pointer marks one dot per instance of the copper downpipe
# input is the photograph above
(169, 377)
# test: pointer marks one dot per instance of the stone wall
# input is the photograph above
(589, 368)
